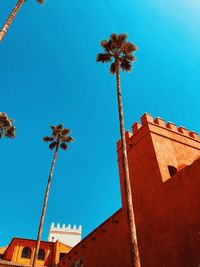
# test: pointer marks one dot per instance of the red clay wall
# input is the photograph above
(161, 203)
(167, 209)
(106, 246)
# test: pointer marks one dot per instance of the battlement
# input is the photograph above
(69, 235)
(158, 126)
(65, 228)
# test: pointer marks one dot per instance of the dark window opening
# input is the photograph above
(172, 170)
(41, 254)
(26, 253)
(62, 255)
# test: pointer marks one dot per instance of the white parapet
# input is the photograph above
(69, 235)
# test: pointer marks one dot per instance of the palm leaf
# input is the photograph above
(113, 38)
(70, 139)
(103, 57)
(121, 38)
(48, 139)
(60, 126)
(65, 131)
(10, 132)
(128, 48)
(129, 57)
(112, 68)
(63, 146)
(106, 45)
(53, 145)
(67, 139)
(126, 65)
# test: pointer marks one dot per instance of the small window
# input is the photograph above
(41, 254)
(26, 253)
(172, 170)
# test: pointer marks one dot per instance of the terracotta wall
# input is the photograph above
(167, 209)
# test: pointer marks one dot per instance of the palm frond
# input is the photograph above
(113, 38)
(6, 127)
(106, 45)
(126, 65)
(113, 68)
(60, 126)
(10, 133)
(121, 38)
(129, 57)
(63, 146)
(65, 131)
(70, 139)
(48, 139)
(53, 145)
(128, 48)
(103, 57)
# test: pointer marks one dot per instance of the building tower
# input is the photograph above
(65, 234)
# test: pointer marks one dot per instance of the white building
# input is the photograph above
(67, 235)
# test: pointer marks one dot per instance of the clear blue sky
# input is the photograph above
(48, 75)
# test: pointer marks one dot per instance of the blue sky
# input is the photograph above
(49, 75)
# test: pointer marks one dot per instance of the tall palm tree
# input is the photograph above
(6, 127)
(119, 52)
(58, 139)
(12, 16)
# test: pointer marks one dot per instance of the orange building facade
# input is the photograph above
(164, 164)
(20, 253)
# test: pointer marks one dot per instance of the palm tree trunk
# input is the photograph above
(10, 19)
(135, 258)
(44, 207)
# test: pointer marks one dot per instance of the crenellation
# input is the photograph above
(146, 118)
(160, 122)
(128, 135)
(150, 124)
(183, 130)
(135, 128)
(69, 235)
(170, 125)
(64, 227)
(194, 135)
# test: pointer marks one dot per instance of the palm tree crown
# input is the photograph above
(120, 50)
(6, 127)
(59, 137)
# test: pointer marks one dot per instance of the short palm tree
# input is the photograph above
(58, 139)
(6, 127)
(119, 52)
(12, 16)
